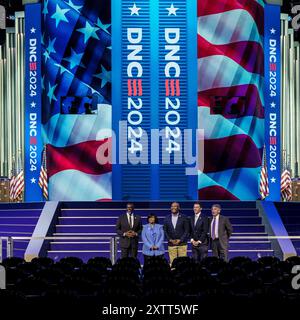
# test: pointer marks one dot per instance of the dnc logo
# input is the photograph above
(296, 19)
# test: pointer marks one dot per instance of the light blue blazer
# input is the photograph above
(153, 236)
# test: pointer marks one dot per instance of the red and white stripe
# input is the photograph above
(18, 187)
(286, 185)
(264, 183)
(11, 188)
(43, 179)
(43, 182)
(230, 64)
(78, 163)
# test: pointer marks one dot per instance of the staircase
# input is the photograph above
(290, 215)
(18, 220)
(98, 219)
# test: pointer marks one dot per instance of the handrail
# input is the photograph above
(108, 238)
(10, 243)
(61, 238)
(113, 242)
(1, 246)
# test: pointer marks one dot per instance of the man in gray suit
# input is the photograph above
(220, 232)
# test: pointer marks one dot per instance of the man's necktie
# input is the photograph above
(213, 229)
(131, 220)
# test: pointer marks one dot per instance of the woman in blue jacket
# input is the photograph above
(153, 238)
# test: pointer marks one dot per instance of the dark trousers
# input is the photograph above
(200, 252)
(147, 259)
(218, 250)
(129, 252)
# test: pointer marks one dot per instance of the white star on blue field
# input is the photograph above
(73, 6)
(104, 75)
(50, 93)
(76, 51)
(102, 26)
(89, 32)
(60, 15)
(74, 59)
(50, 47)
(45, 8)
(46, 55)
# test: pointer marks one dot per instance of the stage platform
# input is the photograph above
(85, 229)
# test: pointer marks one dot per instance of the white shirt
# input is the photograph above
(175, 219)
(197, 216)
(130, 219)
(216, 226)
(131, 222)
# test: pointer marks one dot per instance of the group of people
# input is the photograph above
(178, 229)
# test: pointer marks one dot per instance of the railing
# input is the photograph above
(10, 244)
(113, 242)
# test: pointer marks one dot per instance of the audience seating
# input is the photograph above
(185, 278)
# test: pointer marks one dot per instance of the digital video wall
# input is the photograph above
(153, 100)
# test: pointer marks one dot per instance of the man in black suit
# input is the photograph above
(199, 227)
(220, 232)
(129, 228)
(176, 228)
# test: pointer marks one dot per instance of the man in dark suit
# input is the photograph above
(220, 232)
(129, 227)
(199, 227)
(176, 228)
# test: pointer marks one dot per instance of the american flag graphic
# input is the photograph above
(17, 181)
(77, 63)
(264, 179)
(12, 180)
(264, 183)
(231, 64)
(286, 185)
(43, 179)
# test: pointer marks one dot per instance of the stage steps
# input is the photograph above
(290, 215)
(99, 220)
(19, 220)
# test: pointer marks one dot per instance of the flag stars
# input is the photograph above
(43, 39)
(61, 68)
(32, 30)
(50, 47)
(273, 180)
(104, 75)
(46, 54)
(89, 32)
(43, 82)
(45, 8)
(102, 26)
(74, 59)
(172, 10)
(134, 10)
(50, 93)
(273, 31)
(33, 181)
(32, 104)
(60, 15)
(73, 6)
(273, 105)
